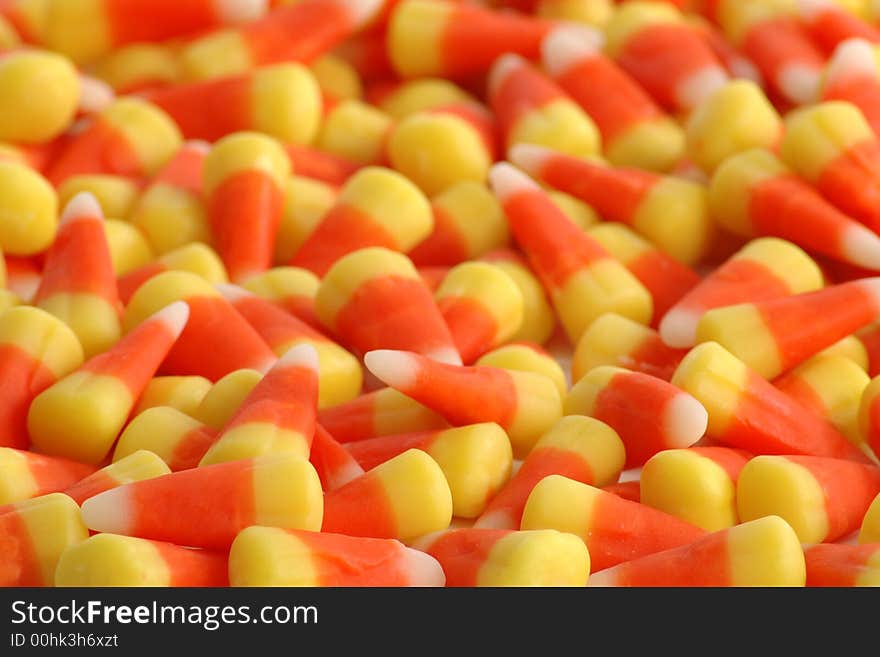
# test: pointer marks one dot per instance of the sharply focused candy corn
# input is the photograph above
(566, 505)
(339, 372)
(297, 32)
(468, 222)
(753, 193)
(616, 340)
(697, 484)
(25, 474)
(278, 416)
(577, 447)
(582, 278)
(36, 349)
(635, 131)
(78, 284)
(244, 178)
(833, 147)
(269, 556)
(334, 464)
(217, 339)
(748, 412)
(184, 393)
(500, 557)
(476, 460)
(765, 268)
(40, 92)
(530, 108)
(843, 565)
(282, 101)
(761, 553)
(138, 465)
(527, 357)
(772, 336)
(178, 439)
(130, 137)
(114, 560)
(831, 387)
(377, 207)
(380, 413)
(206, 507)
(457, 40)
(34, 534)
(81, 415)
(737, 117)
(822, 499)
(671, 212)
(664, 277)
(402, 498)
(651, 42)
(648, 414)
(374, 298)
(523, 403)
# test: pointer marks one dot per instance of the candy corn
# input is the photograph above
(278, 490)
(269, 556)
(649, 414)
(560, 503)
(584, 282)
(27, 474)
(523, 403)
(765, 268)
(81, 415)
(822, 499)
(843, 565)
(760, 553)
(138, 465)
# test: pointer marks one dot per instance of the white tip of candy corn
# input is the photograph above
(423, 569)
(82, 207)
(529, 157)
(861, 246)
(197, 146)
(810, 9)
(568, 45)
(397, 369)
(800, 84)
(604, 578)
(506, 180)
(699, 86)
(852, 58)
(361, 12)
(501, 69)
(110, 511)
(495, 520)
(678, 328)
(448, 355)
(94, 94)
(240, 11)
(741, 67)
(871, 286)
(684, 421)
(232, 293)
(302, 355)
(174, 316)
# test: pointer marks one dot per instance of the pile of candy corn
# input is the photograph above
(436, 293)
